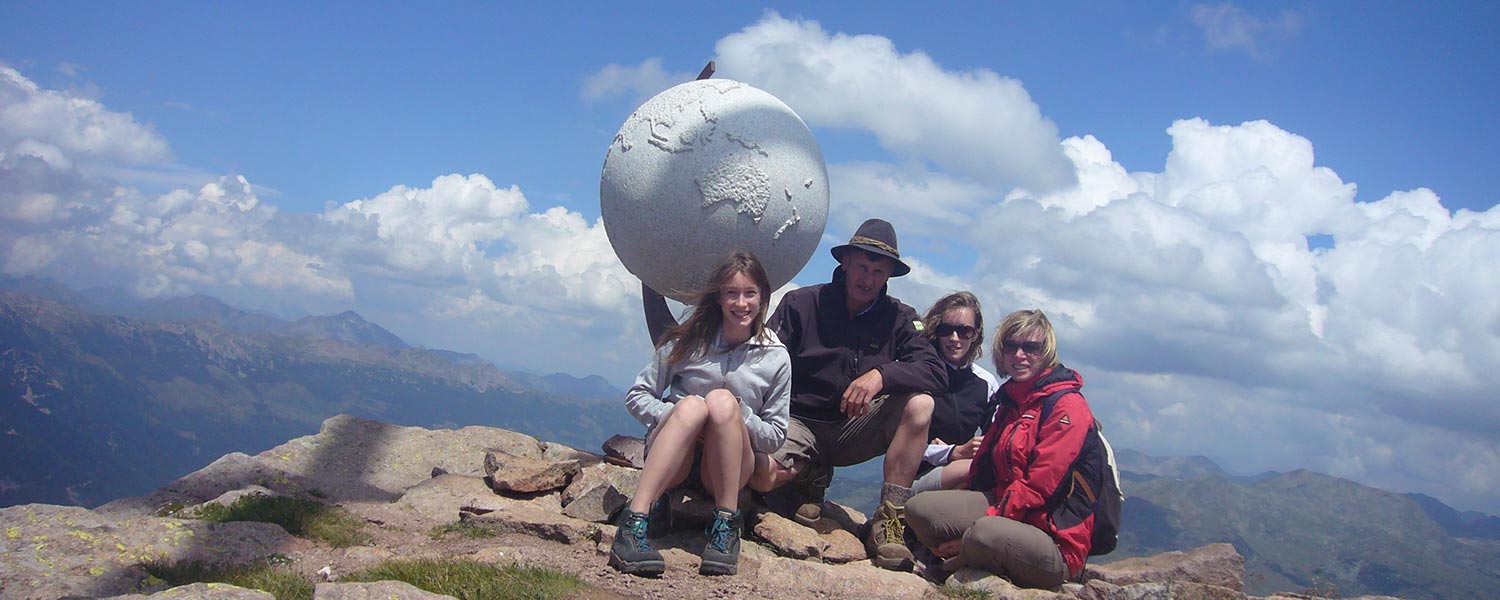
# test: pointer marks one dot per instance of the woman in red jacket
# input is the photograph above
(1003, 523)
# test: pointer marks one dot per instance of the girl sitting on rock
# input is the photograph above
(715, 401)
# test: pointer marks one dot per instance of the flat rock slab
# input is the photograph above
(59, 551)
(349, 460)
(204, 591)
(438, 501)
(523, 474)
(789, 538)
(997, 587)
(538, 522)
(780, 578)
(842, 547)
(378, 590)
(1215, 564)
(625, 451)
(598, 492)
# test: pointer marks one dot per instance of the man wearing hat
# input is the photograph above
(862, 382)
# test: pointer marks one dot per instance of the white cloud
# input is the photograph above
(1206, 324)
(437, 233)
(1227, 26)
(460, 264)
(935, 202)
(78, 126)
(976, 123)
(641, 81)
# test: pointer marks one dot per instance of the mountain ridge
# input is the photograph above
(172, 394)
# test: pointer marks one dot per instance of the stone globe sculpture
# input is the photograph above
(703, 169)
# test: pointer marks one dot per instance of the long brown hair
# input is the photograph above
(967, 300)
(695, 334)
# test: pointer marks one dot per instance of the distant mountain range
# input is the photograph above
(1298, 531)
(103, 397)
(102, 401)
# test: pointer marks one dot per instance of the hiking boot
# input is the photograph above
(632, 553)
(812, 485)
(660, 517)
(721, 556)
(885, 541)
(808, 514)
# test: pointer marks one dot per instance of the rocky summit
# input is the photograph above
(540, 504)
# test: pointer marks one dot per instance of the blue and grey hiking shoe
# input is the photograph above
(632, 553)
(721, 556)
(660, 517)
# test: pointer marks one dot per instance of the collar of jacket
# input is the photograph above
(766, 338)
(1052, 380)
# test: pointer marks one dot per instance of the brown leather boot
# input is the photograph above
(885, 542)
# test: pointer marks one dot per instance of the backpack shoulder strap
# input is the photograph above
(997, 402)
(1048, 403)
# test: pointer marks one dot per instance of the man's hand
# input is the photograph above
(949, 549)
(861, 392)
(967, 449)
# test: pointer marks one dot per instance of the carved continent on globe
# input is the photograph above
(703, 169)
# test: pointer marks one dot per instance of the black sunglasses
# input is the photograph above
(1010, 346)
(965, 332)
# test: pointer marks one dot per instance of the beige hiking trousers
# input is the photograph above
(1025, 555)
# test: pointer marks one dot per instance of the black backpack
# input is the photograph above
(1091, 487)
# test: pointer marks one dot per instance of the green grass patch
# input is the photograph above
(463, 529)
(302, 518)
(170, 508)
(279, 580)
(963, 593)
(472, 580)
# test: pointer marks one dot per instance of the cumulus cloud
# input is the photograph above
(462, 263)
(1196, 305)
(39, 122)
(218, 238)
(976, 122)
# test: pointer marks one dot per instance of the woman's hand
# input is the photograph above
(967, 449)
(948, 549)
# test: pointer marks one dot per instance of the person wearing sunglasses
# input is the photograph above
(715, 401)
(1001, 523)
(955, 324)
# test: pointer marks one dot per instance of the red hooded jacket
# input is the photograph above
(1023, 469)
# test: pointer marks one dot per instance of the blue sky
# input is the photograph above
(435, 167)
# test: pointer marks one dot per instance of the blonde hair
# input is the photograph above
(1026, 321)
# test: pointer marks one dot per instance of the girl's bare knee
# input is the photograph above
(690, 410)
(722, 405)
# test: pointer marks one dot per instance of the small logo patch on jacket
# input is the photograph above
(918, 325)
(1065, 420)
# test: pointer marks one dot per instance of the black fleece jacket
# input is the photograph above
(831, 348)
